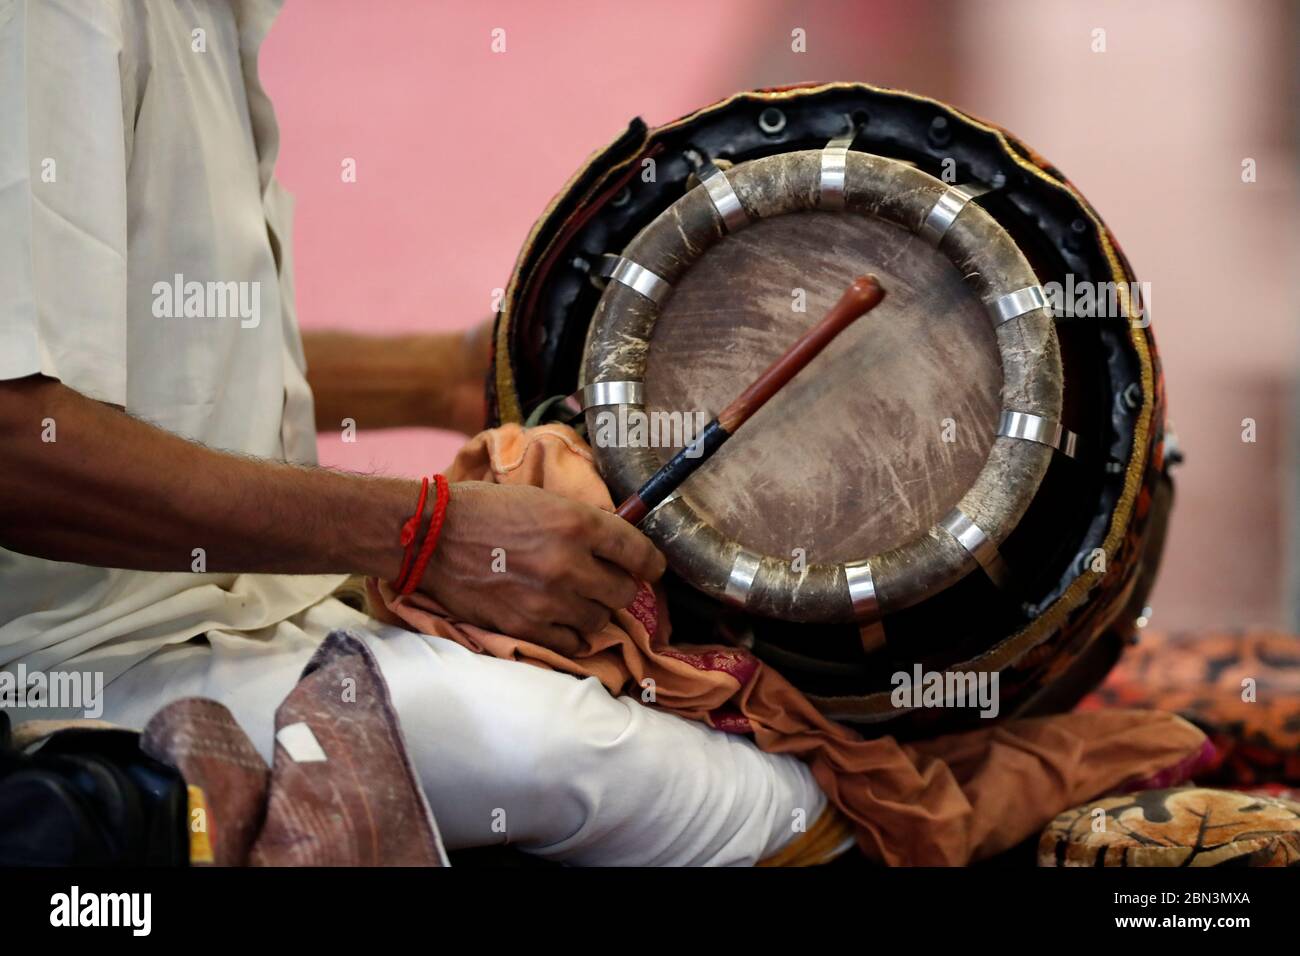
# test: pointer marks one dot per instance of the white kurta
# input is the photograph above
(136, 144)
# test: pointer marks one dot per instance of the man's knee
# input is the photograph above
(512, 753)
(649, 787)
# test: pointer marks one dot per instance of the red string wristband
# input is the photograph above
(430, 536)
(410, 528)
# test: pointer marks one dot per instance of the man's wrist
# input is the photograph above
(382, 509)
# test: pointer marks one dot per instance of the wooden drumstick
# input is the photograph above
(863, 295)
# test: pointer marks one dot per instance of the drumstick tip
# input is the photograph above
(868, 289)
(863, 294)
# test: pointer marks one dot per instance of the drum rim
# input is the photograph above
(976, 244)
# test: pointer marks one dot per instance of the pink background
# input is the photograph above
(459, 149)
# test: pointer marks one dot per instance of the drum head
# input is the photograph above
(883, 472)
(880, 436)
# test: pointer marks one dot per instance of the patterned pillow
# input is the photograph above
(1189, 826)
(1241, 688)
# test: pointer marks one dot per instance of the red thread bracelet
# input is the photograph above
(410, 528)
(430, 536)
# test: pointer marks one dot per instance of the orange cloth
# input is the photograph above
(944, 801)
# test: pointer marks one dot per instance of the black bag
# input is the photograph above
(90, 798)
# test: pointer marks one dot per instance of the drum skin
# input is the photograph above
(878, 398)
(1081, 551)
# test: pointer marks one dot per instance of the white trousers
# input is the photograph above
(508, 752)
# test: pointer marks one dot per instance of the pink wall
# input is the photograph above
(458, 149)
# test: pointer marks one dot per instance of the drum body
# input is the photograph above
(970, 480)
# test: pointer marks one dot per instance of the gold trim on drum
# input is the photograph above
(636, 277)
(862, 590)
(612, 393)
(977, 544)
(725, 201)
(835, 160)
(945, 212)
(1031, 427)
(1015, 304)
(741, 579)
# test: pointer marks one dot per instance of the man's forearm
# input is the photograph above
(117, 492)
(431, 380)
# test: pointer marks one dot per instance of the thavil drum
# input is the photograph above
(971, 479)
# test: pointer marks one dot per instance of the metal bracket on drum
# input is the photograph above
(1035, 428)
(862, 590)
(946, 210)
(835, 161)
(725, 201)
(611, 393)
(1015, 304)
(636, 277)
(743, 571)
(978, 545)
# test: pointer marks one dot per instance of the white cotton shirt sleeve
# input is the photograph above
(145, 262)
(63, 202)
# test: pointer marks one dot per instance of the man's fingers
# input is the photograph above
(560, 638)
(620, 543)
(584, 616)
(606, 583)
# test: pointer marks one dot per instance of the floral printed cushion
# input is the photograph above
(1188, 826)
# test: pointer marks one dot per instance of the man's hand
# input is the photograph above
(533, 565)
(117, 492)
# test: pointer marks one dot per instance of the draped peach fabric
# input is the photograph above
(943, 801)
